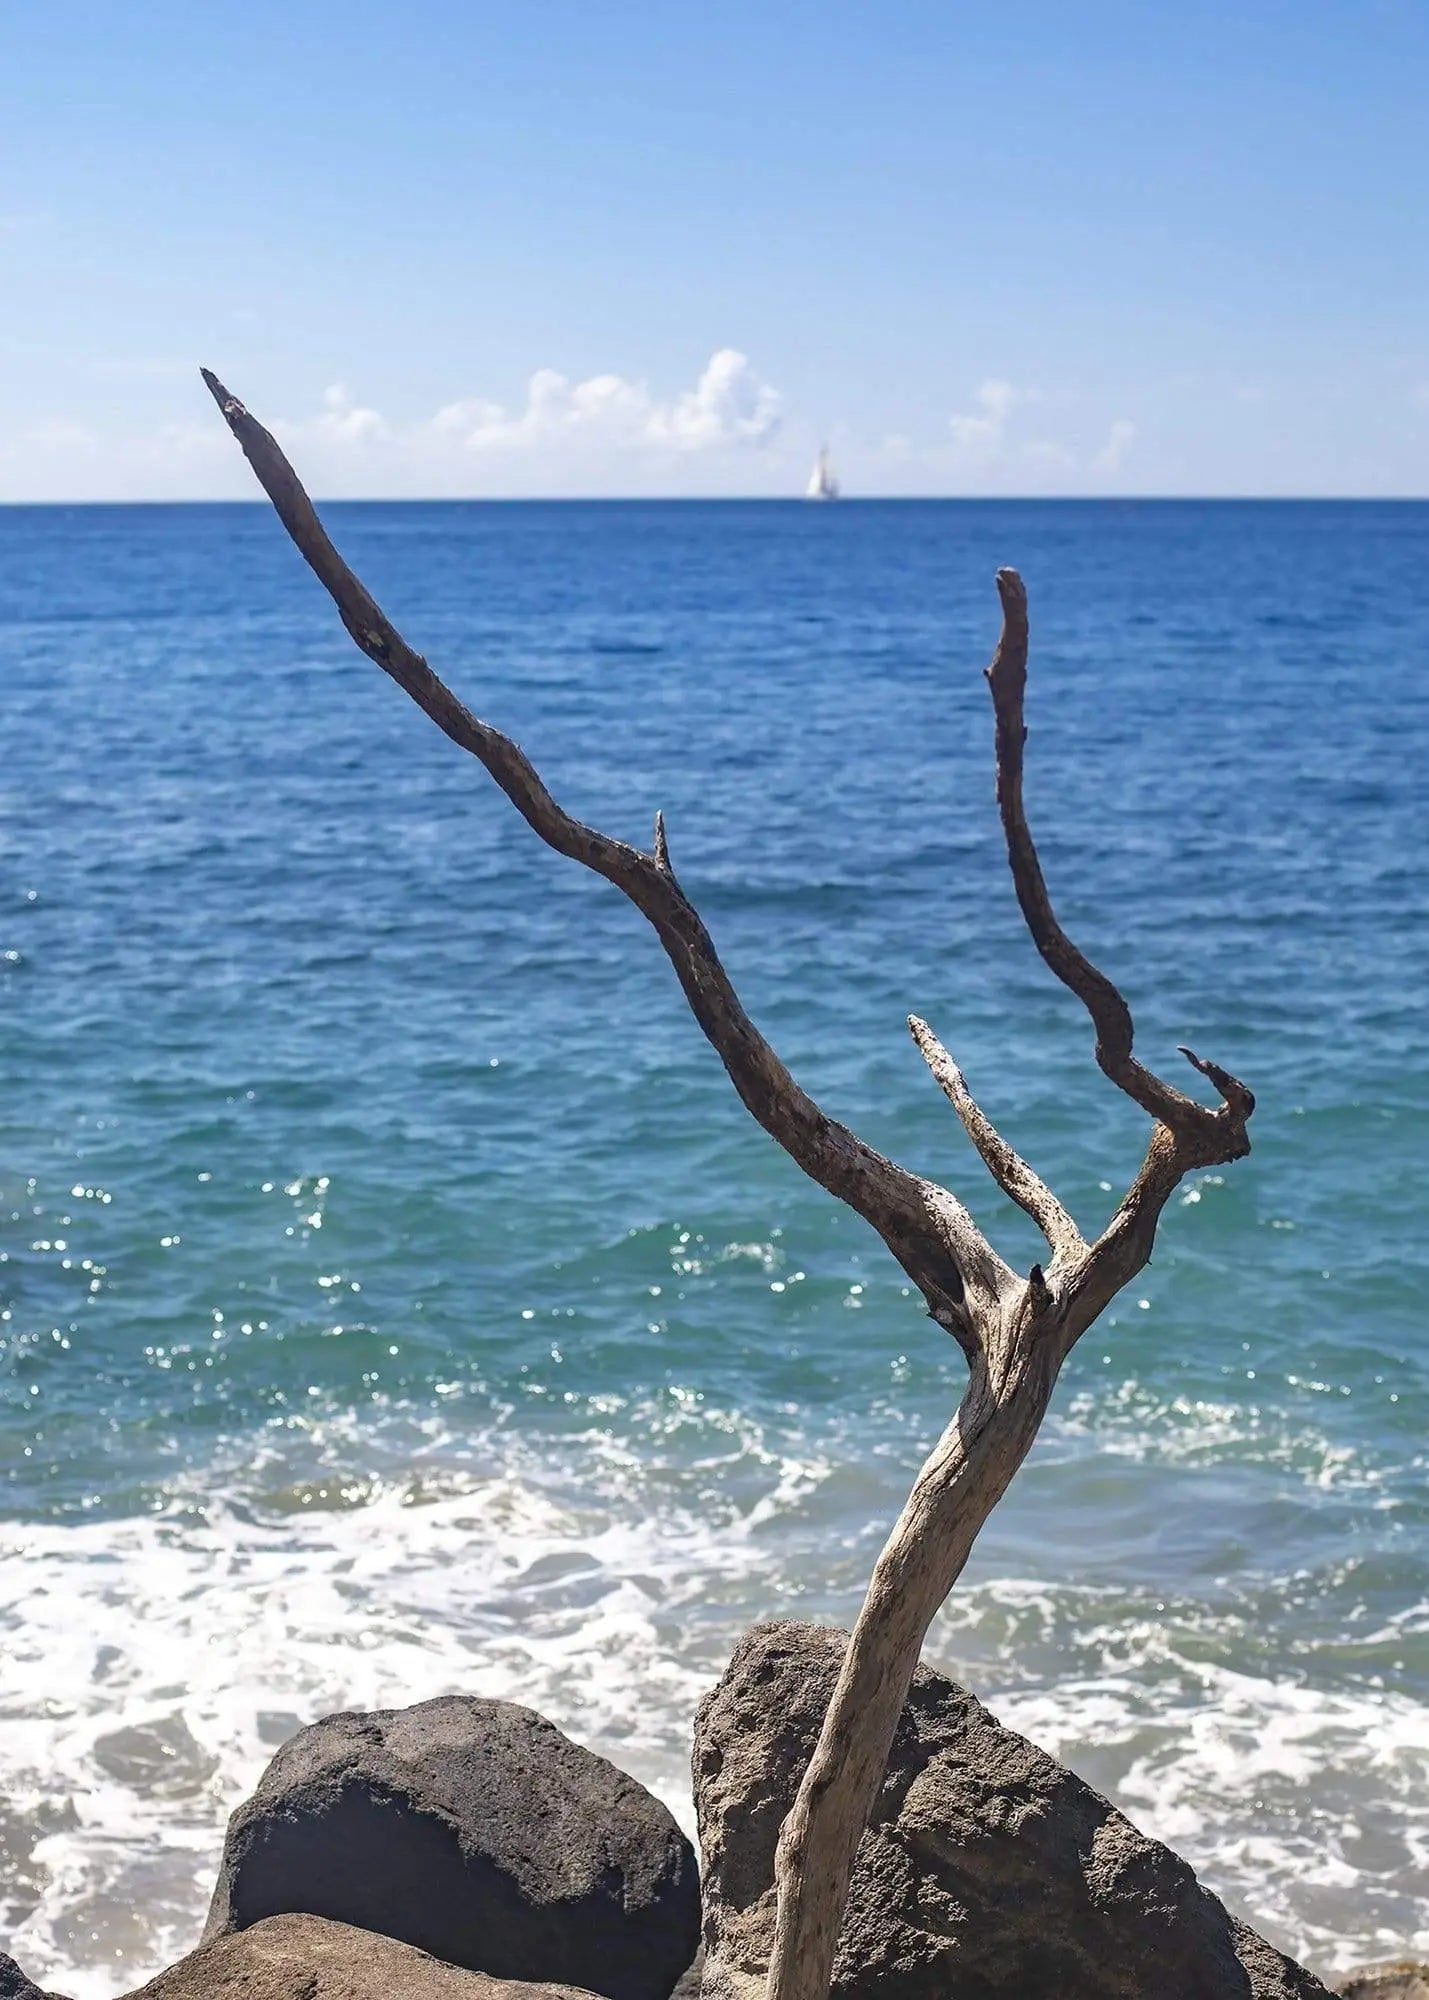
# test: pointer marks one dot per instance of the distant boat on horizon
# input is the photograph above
(823, 483)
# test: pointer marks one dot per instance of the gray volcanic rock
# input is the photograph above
(477, 1832)
(988, 1871)
(17, 1985)
(309, 1958)
(1391, 1979)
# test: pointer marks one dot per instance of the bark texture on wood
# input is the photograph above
(1015, 1331)
(962, 1481)
(1018, 1347)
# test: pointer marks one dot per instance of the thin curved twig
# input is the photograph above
(1008, 1169)
(1111, 1017)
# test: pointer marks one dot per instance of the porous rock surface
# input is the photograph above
(311, 1958)
(988, 1871)
(17, 1985)
(477, 1832)
(1391, 1979)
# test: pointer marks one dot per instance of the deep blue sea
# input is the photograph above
(395, 1298)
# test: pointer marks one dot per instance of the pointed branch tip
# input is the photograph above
(893, 1200)
(1012, 1174)
(1102, 998)
(1235, 1093)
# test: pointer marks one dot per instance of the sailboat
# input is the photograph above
(823, 484)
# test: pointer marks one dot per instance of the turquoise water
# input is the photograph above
(395, 1297)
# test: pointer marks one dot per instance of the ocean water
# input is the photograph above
(394, 1298)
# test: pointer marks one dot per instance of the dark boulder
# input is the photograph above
(17, 1985)
(988, 1871)
(477, 1832)
(309, 1958)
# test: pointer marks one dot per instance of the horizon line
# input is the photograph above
(758, 500)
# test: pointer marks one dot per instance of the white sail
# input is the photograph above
(823, 484)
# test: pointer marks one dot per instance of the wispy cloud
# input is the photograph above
(727, 432)
(1011, 440)
(980, 435)
(58, 434)
(340, 421)
(591, 434)
(1112, 455)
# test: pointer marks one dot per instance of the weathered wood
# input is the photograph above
(928, 1230)
(1015, 1331)
(967, 1473)
(1021, 1347)
(1008, 1169)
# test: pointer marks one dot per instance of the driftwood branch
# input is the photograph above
(1020, 1350)
(1111, 1017)
(1008, 1169)
(928, 1230)
(1015, 1331)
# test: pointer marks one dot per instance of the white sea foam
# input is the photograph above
(1306, 1807)
(153, 1664)
(1135, 1420)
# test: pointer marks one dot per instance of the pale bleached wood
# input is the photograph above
(1021, 1346)
(1015, 1331)
(1008, 1169)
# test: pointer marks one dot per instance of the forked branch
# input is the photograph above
(1016, 1332)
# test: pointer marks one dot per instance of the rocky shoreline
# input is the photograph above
(464, 1849)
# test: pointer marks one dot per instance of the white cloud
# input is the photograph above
(344, 421)
(604, 432)
(1112, 455)
(728, 406)
(597, 434)
(981, 436)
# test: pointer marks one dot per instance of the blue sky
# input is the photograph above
(667, 248)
